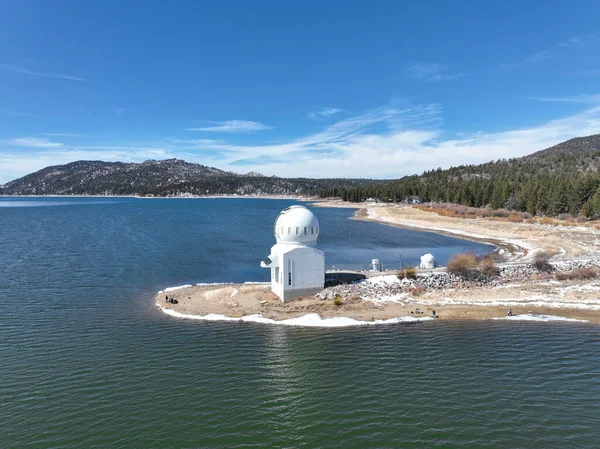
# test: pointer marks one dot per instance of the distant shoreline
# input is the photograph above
(232, 196)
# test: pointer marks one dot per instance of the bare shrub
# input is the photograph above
(470, 266)
(546, 220)
(577, 275)
(463, 265)
(501, 213)
(407, 273)
(488, 267)
(514, 218)
(417, 290)
(338, 301)
(541, 261)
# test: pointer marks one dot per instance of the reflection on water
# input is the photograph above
(86, 360)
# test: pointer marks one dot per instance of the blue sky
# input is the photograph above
(307, 88)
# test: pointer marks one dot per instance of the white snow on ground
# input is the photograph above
(579, 288)
(382, 280)
(172, 289)
(235, 292)
(309, 320)
(534, 317)
(532, 301)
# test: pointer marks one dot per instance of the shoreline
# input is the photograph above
(521, 240)
(382, 299)
(385, 300)
(198, 197)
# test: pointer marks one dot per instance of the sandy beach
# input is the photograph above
(535, 297)
(519, 240)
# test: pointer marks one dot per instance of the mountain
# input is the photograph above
(561, 179)
(159, 178)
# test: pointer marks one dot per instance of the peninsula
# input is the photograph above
(567, 288)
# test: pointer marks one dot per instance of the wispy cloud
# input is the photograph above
(34, 142)
(384, 142)
(429, 71)
(6, 111)
(583, 98)
(60, 76)
(62, 135)
(548, 53)
(233, 126)
(390, 143)
(118, 111)
(323, 113)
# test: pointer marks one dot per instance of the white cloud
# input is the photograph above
(118, 111)
(583, 98)
(323, 113)
(385, 142)
(7, 111)
(233, 126)
(549, 52)
(429, 71)
(61, 76)
(62, 135)
(351, 148)
(34, 142)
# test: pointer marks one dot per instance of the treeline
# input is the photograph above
(560, 180)
(254, 185)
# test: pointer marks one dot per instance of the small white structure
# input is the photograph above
(427, 261)
(297, 267)
(375, 265)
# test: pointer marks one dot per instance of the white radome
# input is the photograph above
(296, 225)
(427, 261)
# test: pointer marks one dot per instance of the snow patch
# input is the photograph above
(535, 317)
(172, 289)
(382, 280)
(309, 320)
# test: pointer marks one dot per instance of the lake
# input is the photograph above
(87, 360)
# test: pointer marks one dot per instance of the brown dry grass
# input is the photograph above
(578, 274)
(469, 265)
(459, 211)
(407, 273)
(417, 290)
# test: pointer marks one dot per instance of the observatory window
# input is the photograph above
(276, 275)
(282, 230)
(289, 230)
(312, 229)
(290, 272)
(297, 230)
(305, 230)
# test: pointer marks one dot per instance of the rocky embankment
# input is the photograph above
(387, 287)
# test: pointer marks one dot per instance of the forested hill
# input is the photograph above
(160, 178)
(562, 179)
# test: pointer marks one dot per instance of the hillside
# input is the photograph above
(562, 179)
(160, 178)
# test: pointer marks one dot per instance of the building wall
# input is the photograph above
(307, 272)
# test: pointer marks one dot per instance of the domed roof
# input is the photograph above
(297, 225)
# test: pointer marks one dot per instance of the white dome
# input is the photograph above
(297, 225)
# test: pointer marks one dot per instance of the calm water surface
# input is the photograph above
(86, 360)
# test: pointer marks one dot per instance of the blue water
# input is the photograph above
(86, 359)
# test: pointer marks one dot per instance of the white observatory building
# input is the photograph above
(297, 267)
